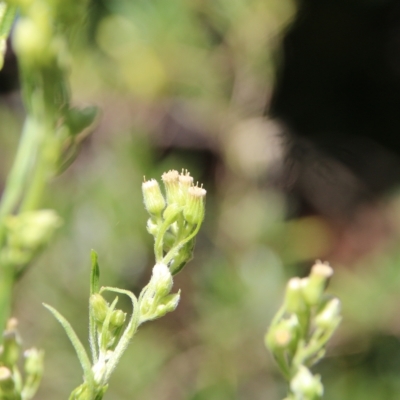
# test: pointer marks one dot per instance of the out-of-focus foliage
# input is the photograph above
(183, 84)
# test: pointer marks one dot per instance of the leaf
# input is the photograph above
(94, 288)
(79, 349)
(95, 274)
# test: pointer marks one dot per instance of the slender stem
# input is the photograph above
(15, 186)
(6, 285)
(20, 171)
(37, 184)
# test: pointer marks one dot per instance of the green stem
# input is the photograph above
(37, 185)
(14, 188)
(20, 171)
(6, 285)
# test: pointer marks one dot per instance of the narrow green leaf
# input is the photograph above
(95, 274)
(79, 349)
(94, 288)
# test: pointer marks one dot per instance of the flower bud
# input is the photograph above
(159, 286)
(161, 280)
(329, 317)
(33, 361)
(99, 307)
(185, 255)
(316, 283)
(294, 301)
(7, 384)
(185, 182)
(31, 40)
(172, 187)
(117, 319)
(194, 209)
(152, 227)
(153, 198)
(80, 393)
(304, 385)
(167, 304)
(11, 348)
(32, 229)
(284, 334)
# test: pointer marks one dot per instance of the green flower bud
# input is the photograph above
(117, 319)
(315, 284)
(169, 241)
(80, 393)
(107, 339)
(99, 307)
(34, 361)
(32, 229)
(284, 334)
(304, 385)
(156, 301)
(294, 301)
(152, 227)
(33, 371)
(31, 40)
(11, 348)
(161, 280)
(329, 317)
(172, 187)
(167, 304)
(7, 384)
(185, 255)
(153, 198)
(195, 205)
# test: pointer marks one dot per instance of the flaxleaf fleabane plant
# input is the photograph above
(301, 329)
(174, 222)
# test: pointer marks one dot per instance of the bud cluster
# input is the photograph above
(13, 383)
(109, 321)
(26, 234)
(155, 300)
(300, 331)
(174, 219)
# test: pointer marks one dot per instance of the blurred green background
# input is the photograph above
(184, 84)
